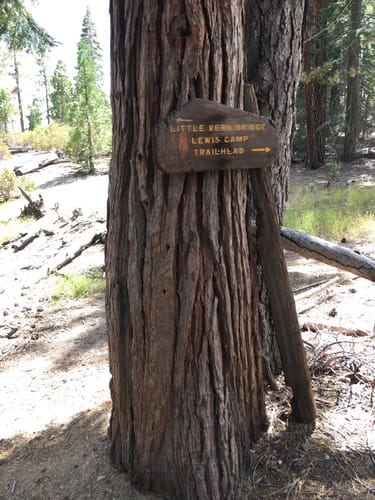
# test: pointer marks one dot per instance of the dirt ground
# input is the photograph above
(54, 397)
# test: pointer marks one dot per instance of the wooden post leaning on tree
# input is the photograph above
(283, 309)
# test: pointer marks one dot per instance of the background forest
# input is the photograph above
(335, 106)
(72, 115)
(336, 100)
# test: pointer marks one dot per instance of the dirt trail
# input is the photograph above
(54, 397)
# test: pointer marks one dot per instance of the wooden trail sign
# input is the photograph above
(204, 135)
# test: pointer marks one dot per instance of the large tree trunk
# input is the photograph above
(352, 88)
(273, 67)
(185, 358)
(182, 299)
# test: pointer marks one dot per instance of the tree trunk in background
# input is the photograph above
(352, 88)
(315, 88)
(18, 92)
(182, 303)
(46, 93)
(273, 46)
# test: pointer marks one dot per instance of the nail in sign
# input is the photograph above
(204, 136)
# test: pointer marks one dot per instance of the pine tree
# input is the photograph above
(21, 32)
(339, 70)
(19, 29)
(61, 94)
(90, 116)
(89, 34)
(35, 116)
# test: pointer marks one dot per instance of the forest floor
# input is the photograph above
(54, 396)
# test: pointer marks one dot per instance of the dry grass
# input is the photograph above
(335, 458)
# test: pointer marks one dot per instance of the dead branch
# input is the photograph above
(96, 238)
(317, 327)
(314, 288)
(34, 208)
(26, 242)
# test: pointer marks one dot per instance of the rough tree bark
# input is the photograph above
(352, 86)
(315, 88)
(182, 300)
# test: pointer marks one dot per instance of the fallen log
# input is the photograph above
(325, 251)
(23, 244)
(14, 149)
(329, 253)
(19, 171)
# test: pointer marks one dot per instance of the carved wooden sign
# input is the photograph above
(204, 135)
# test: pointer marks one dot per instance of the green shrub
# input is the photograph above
(44, 138)
(4, 151)
(27, 184)
(75, 286)
(8, 184)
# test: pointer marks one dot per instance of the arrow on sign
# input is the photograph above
(261, 150)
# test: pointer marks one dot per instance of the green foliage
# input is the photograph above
(4, 151)
(76, 286)
(8, 184)
(62, 94)
(19, 29)
(12, 228)
(90, 111)
(331, 166)
(6, 109)
(35, 116)
(327, 51)
(332, 213)
(27, 184)
(44, 137)
(89, 35)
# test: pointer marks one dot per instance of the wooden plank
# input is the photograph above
(204, 135)
(283, 309)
